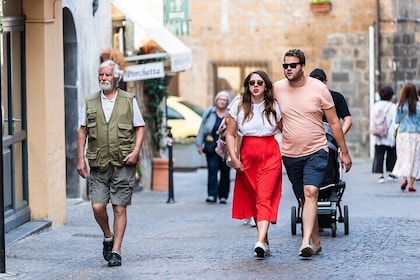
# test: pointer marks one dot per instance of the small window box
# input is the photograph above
(321, 7)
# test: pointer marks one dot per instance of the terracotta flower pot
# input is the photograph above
(321, 7)
(160, 176)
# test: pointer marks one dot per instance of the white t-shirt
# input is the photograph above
(258, 125)
(108, 106)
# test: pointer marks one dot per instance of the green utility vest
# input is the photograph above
(109, 143)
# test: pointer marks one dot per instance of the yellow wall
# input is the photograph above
(45, 99)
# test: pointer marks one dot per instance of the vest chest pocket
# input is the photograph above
(125, 131)
(91, 114)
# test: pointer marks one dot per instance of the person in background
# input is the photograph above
(206, 143)
(258, 178)
(303, 102)
(385, 145)
(407, 165)
(340, 103)
(112, 122)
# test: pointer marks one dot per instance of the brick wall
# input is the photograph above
(337, 41)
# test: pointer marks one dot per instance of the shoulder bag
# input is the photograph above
(221, 144)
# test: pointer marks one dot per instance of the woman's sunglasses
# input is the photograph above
(252, 83)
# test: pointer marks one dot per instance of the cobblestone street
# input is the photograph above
(192, 240)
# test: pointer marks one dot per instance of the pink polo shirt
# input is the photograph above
(302, 111)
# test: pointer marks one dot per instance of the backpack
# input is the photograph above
(379, 125)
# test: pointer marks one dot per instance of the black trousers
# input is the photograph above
(378, 162)
(217, 188)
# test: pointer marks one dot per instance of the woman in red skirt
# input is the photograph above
(258, 167)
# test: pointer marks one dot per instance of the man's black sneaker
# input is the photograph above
(115, 259)
(107, 249)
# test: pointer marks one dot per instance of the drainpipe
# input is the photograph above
(378, 47)
(372, 92)
(2, 227)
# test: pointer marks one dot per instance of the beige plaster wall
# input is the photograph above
(45, 99)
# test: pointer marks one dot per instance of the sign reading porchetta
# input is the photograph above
(144, 72)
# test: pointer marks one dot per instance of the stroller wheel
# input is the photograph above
(293, 220)
(346, 220)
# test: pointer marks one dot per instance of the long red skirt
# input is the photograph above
(257, 190)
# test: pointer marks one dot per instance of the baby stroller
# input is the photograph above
(329, 198)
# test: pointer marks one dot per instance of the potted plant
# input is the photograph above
(321, 5)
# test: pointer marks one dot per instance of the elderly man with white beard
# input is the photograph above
(114, 128)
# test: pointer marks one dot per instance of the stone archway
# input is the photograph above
(71, 105)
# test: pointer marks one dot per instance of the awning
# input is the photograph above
(180, 54)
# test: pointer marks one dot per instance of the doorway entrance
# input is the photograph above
(70, 103)
(13, 105)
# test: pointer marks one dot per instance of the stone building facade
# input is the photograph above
(229, 38)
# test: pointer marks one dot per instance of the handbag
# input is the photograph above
(221, 147)
(238, 143)
(209, 147)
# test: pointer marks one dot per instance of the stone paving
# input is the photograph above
(189, 239)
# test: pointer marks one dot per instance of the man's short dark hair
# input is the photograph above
(319, 74)
(297, 53)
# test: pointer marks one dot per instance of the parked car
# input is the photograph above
(184, 118)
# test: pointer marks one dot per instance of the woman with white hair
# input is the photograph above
(206, 142)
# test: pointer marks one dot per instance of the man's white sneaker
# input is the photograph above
(381, 180)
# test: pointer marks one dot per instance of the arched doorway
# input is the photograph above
(70, 102)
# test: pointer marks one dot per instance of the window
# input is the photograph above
(229, 76)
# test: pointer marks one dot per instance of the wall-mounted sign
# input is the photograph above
(177, 16)
(176, 10)
(144, 72)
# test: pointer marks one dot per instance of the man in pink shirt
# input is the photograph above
(303, 101)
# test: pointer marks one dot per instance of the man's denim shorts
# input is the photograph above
(306, 171)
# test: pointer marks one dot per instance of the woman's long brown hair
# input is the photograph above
(410, 96)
